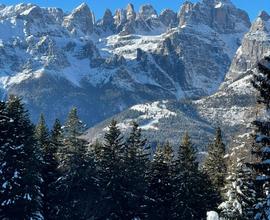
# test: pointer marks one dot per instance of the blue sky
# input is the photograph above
(98, 6)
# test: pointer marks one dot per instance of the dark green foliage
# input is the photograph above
(261, 145)
(20, 180)
(192, 186)
(187, 155)
(160, 184)
(113, 179)
(76, 186)
(74, 126)
(42, 134)
(215, 163)
(240, 194)
(135, 163)
(4, 122)
(261, 82)
(43, 142)
(110, 175)
(49, 144)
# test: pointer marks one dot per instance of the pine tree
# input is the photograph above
(240, 194)
(111, 204)
(135, 163)
(20, 181)
(194, 193)
(72, 130)
(261, 82)
(42, 133)
(215, 163)
(74, 127)
(96, 147)
(77, 184)
(160, 184)
(261, 148)
(56, 146)
(57, 141)
(4, 122)
(50, 174)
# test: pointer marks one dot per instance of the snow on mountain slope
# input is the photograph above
(233, 107)
(160, 121)
(254, 47)
(123, 59)
(153, 113)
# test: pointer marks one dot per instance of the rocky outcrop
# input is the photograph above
(147, 12)
(80, 20)
(233, 107)
(168, 18)
(185, 13)
(123, 59)
(220, 15)
(131, 14)
(107, 22)
(255, 46)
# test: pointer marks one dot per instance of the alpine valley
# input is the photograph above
(170, 72)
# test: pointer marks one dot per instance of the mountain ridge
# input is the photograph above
(133, 60)
(233, 107)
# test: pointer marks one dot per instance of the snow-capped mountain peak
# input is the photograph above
(262, 25)
(131, 14)
(264, 15)
(233, 107)
(147, 11)
(80, 19)
(222, 16)
(137, 53)
(255, 46)
(218, 3)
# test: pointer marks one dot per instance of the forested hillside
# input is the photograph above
(56, 174)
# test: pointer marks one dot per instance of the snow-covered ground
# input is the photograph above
(153, 112)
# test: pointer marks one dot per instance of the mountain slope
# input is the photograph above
(233, 106)
(56, 60)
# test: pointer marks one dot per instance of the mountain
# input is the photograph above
(56, 60)
(233, 106)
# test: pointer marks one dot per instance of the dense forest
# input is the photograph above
(55, 174)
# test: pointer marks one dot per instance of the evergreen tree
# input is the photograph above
(4, 122)
(49, 146)
(240, 194)
(215, 163)
(194, 193)
(111, 204)
(74, 127)
(71, 132)
(57, 141)
(261, 82)
(135, 163)
(160, 184)
(76, 186)
(42, 134)
(20, 181)
(96, 147)
(261, 149)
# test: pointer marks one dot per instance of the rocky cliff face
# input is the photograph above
(254, 47)
(80, 21)
(57, 60)
(233, 106)
(221, 16)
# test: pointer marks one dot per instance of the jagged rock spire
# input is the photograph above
(264, 16)
(131, 14)
(147, 11)
(168, 17)
(80, 19)
(107, 19)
